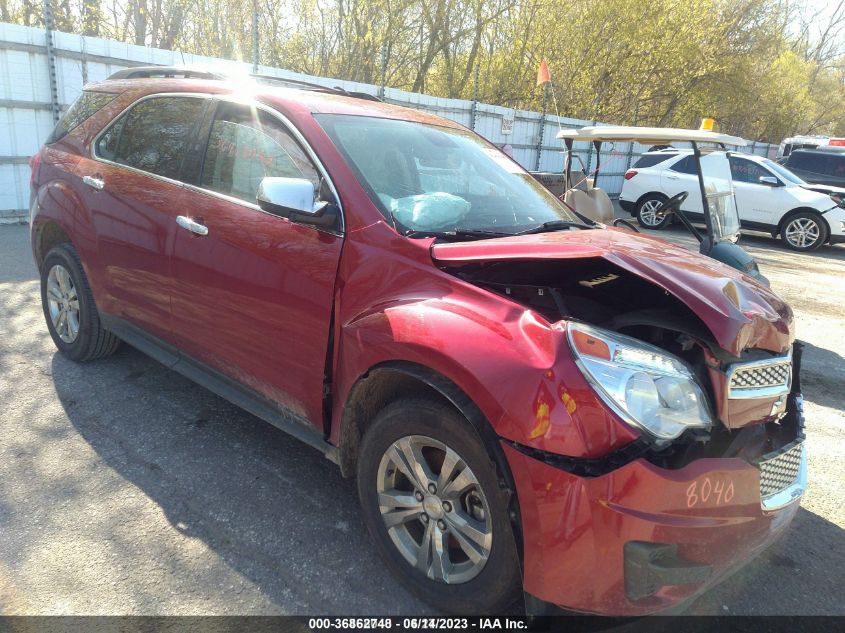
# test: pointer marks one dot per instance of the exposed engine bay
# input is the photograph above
(598, 292)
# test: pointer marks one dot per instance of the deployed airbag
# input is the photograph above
(429, 211)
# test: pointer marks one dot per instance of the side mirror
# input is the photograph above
(770, 180)
(295, 198)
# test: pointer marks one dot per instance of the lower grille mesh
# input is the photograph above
(781, 471)
(776, 375)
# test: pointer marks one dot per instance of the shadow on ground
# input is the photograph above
(279, 513)
(272, 508)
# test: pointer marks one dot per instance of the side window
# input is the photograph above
(809, 162)
(650, 160)
(245, 146)
(743, 170)
(154, 135)
(685, 166)
(796, 161)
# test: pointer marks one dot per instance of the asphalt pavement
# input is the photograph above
(127, 489)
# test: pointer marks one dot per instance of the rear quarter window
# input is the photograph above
(685, 166)
(650, 160)
(86, 105)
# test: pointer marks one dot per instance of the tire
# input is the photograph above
(645, 211)
(491, 580)
(803, 231)
(79, 335)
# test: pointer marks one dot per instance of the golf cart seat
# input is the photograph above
(594, 204)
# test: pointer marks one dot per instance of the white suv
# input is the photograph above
(769, 197)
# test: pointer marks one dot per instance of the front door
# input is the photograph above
(758, 203)
(253, 297)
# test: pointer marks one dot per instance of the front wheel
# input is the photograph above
(648, 212)
(803, 231)
(431, 501)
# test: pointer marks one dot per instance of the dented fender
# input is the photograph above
(518, 371)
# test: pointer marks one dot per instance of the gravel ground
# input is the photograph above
(126, 489)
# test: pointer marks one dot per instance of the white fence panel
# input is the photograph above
(26, 116)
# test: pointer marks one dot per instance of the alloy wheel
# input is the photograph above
(434, 509)
(649, 214)
(802, 232)
(63, 303)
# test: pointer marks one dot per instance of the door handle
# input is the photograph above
(94, 183)
(671, 177)
(194, 227)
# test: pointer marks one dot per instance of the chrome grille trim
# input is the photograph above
(783, 477)
(760, 379)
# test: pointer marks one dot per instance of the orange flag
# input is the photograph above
(543, 75)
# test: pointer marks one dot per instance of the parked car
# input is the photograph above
(788, 145)
(823, 166)
(769, 197)
(596, 418)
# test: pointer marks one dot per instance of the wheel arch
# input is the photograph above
(48, 234)
(646, 195)
(797, 210)
(388, 381)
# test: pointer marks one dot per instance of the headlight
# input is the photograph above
(646, 386)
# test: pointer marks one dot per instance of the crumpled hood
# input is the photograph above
(740, 313)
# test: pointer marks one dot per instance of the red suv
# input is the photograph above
(530, 402)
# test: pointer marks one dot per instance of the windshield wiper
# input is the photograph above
(459, 233)
(554, 225)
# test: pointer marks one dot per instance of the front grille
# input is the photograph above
(780, 471)
(761, 376)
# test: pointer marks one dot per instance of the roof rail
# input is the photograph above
(308, 85)
(180, 72)
(158, 72)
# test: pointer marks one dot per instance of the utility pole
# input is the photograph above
(474, 112)
(383, 71)
(255, 37)
(542, 125)
(51, 60)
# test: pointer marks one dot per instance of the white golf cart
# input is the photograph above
(715, 187)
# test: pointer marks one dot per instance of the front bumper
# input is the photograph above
(836, 221)
(640, 539)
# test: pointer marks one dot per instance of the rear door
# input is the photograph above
(253, 297)
(682, 175)
(134, 195)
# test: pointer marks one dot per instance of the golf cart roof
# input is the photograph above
(648, 135)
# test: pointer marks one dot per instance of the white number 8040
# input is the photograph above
(713, 492)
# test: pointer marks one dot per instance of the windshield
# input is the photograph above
(718, 184)
(430, 179)
(783, 172)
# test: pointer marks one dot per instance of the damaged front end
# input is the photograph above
(711, 476)
(754, 397)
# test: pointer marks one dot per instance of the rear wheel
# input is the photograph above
(803, 231)
(69, 309)
(647, 212)
(432, 503)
